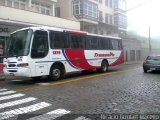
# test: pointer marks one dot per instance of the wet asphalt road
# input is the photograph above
(123, 90)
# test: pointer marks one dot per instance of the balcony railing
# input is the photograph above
(83, 16)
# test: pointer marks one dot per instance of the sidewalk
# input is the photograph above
(133, 62)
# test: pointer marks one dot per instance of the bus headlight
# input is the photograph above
(4, 65)
(23, 65)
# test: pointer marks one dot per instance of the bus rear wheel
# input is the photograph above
(56, 73)
(104, 67)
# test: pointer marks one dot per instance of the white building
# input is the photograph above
(120, 16)
(16, 14)
(96, 16)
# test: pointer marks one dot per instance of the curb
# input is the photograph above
(2, 77)
(131, 63)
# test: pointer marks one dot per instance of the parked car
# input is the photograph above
(151, 63)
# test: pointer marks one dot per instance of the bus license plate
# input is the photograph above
(11, 74)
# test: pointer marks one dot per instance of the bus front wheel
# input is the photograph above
(56, 73)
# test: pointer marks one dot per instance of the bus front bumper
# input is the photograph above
(20, 72)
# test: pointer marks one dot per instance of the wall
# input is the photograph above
(132, 49)
(31, 18)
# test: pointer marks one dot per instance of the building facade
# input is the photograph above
(96, 16)
(132, 49)
(120, 16)
(16, 14)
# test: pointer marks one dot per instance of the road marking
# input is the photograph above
(24, 110)
(17, 102)
(51, 115)
(11, 96)
(74, 80)
(2, 90)
(82, 118)
(7, 92)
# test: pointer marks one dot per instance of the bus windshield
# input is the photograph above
(19, 44)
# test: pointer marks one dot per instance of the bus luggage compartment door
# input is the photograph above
(41, 70)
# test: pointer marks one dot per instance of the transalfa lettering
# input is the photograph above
(104, 55)
(56, 52)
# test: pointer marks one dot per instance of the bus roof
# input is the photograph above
(106, 36)
(64, 30)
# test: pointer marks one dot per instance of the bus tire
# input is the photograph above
(36, 78)
(56, 73)
(104, 67)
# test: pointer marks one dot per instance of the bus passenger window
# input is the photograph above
(104, 44)
(115, 44)
(92, 42)
(77, 41)
(58, 40)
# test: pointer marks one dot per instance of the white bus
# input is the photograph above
(53, 52)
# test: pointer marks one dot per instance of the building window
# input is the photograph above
(76, 7)
(85, 7)
(122, 20)
(2, 2)
(41, 8)
(138, 54)
(111, 3)
(95, 31)
(106, 2)
(122, 4)
(100, 1)
(100, 16)
(116, 4)
(111, 19)
(108, 32)
(20, 4)
(132, 55)
(57, 12)
(9, 3)
(106, 18)
(101, 32)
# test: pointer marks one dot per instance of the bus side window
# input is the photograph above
(104, 44)
(58, 40)
(77, 41)
(92, 42)
(40, 45)
(88, 42)
(120, 44)
(115, 44)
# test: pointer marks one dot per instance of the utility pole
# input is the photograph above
(149, 38)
